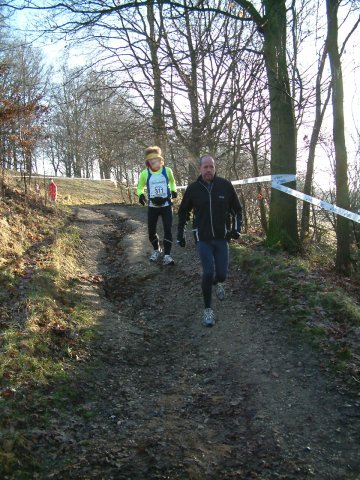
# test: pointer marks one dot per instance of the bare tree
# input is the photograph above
(341, 177)
(272, 25)
(317, 99)
(320, 109)
(94, 129)
(171, 69)
(70, 123)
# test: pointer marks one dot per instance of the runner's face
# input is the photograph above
(207, 169)
(155, 163)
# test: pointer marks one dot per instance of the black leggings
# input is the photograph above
(214, 257)
(167, 216)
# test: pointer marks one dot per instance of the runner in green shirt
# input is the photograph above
(161, 189)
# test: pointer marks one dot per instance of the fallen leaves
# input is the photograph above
(7, 392)
(90, 278)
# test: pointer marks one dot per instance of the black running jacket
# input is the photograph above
(216, 207)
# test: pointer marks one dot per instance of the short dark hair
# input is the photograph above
(206, 155)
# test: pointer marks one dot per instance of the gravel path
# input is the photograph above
(162, 397)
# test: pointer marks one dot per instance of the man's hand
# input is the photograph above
(142, 200)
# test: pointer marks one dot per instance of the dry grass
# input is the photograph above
(83, 191)
(316, 300)
(46, 324)
(41, 310)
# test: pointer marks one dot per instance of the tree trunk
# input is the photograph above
(283, 216)
(341, 180)
(196, 140)
(319, 115)
(158, 119)
(253, 145)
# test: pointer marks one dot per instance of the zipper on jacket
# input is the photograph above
(211, 219)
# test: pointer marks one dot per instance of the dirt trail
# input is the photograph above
(162, 397)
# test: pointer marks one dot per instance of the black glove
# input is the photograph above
(173, 194)
(232, 234)
(142, 200)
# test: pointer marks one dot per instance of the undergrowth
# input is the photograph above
(323, 305)
(46, 325)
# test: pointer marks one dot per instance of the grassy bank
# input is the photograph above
(323, 305)
(46, 325)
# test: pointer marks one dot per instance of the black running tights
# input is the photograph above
(167, 216)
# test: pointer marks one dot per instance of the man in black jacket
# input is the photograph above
(217, 219)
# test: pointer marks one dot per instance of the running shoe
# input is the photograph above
(220, 291)
(208, 317)
(167, 260)
(155, 255)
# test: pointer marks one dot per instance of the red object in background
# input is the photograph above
(52, 190)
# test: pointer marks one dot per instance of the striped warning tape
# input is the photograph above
(277, 182)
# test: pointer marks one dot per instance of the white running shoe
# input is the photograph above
(155, 255)
(208, 317)
(167, 260)
(220, 291)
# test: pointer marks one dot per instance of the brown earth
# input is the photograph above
(162, 397)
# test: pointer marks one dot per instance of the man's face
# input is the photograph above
(207, 169)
